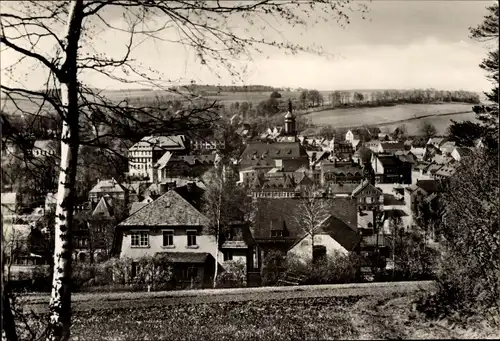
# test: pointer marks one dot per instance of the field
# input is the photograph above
(389, 316)
(390, 117)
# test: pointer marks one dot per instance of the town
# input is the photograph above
(250, 211)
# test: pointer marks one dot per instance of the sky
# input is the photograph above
(400, 45)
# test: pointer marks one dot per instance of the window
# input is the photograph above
(140, 239)
(276, 233)
(368, 200)
(168, 238)
(228, 255)
(191, 238)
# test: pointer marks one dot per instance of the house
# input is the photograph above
(391, 147)
(274, 227)
(110, 189)
(174, 226)
(365, 222)
(368, 197)
(459, 153)
(383, 137)
(340, 173)
(447, 147)
(315, 157)
(445, 172)
(94, 232)
(436, 141)
(419, 153)
(170, 165)
(207, 144)
(45, 148)
(143, 155)
(414, 194)
(390, 168)
(265, 156)
(9, 203)
(341, 150)
(363, 134)
(50, 202)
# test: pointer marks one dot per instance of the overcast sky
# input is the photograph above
(401, 44)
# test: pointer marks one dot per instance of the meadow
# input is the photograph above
(349, 318)
(388, 118)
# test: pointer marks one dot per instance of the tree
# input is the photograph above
(275, 94)
(224, 203)
(427, 129)
(312, 212)
(488, 114)
(304, 96)
(205, 27)
(400, 132)
(465, 133)
(469, 225)
(358, 97)
(328, 132)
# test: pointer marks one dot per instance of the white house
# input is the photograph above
(333, 237)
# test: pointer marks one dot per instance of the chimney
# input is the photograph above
(190, 186)
(163, 188)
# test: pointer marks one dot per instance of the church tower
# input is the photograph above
(290, 121)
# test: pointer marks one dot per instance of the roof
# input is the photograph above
(392, 146)
(446, 171)
(162, 162)
(341, 188)
(289, 115)
(45, 145)
(430, 186)
(436, 141)
(137, 206)
(343, 233)
(264, 154)
(170, 209)
(464, 151)
(185, 257)
(272, 213)
(364, 184)
(176, 142)
(9, 198)
(388, 160)
(103, 209)
(109, 186)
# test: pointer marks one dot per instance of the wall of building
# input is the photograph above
(303, 249)
(205, 243)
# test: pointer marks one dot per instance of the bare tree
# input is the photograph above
(311, 213)
(224, 203)
(89, 118)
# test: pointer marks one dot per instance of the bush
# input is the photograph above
(233, 276)
(155, 272)
(273, 266)
(334, 269)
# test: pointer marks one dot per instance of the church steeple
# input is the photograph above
(290, 121)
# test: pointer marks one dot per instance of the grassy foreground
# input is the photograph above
(375, 317)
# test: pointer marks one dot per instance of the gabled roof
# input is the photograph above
(289, 183)
(364, 184)
(274, 212)
(264, 154)
(176, 142)
(341, 188)
(171, 209)
(109, 186)
(436, 141)
(392, 146)
(305, 181)
(103, 209)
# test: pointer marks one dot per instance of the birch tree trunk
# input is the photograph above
(217, 233)
(60, 301)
